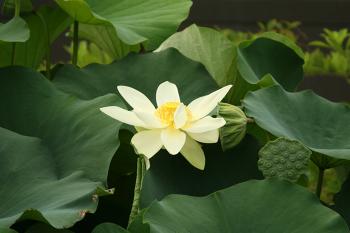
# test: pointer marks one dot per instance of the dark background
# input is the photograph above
(243, 14)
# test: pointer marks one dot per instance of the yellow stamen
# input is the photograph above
(166, 112)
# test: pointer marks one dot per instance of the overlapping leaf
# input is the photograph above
(208, 47)
(106, 39)
(321, 125)
(143, 72)
(15, 30)
(45, 26)
(66, 146)
(135, 21)
(255, 206)
(272, 54)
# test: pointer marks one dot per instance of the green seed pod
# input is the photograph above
(235, 129)
(288, 159)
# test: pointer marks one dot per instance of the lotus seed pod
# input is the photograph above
(284, 158)
(235, 128)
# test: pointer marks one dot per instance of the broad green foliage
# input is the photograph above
(8, 6)
(106, 39)
(319, 124)
(135, 21)
(109, 228)
(142, 72)
(172, 174)
(208, 47)
(267, 60)
(235, 128)
(254, 206)
(44, 228)
(45, 26)
(36, 190)
(284, 158)
(90, 53)
(15, 30)
(71, 141)
(7, 230)
(271, 54)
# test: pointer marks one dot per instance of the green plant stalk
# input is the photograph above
(48, 47)
(140, 172)
(17, 12)
(319, 182)
(75, 43)
(17, 7)
(13, 53)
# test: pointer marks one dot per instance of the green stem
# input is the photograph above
(13, 58)
(48, 46)
(75, 42)
(17, 7)
(140, 171)
(17, 12)
(320, 182)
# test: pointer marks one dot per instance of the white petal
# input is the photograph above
(167, 92)
(122, 115)
(205, 124)
(173, 140)
(204, 105)
(136, 99)
(147, 142)
(180, 116)
(150, 120)
(193, 153)
(206, 137)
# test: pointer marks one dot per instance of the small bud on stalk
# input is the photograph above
(235, 129)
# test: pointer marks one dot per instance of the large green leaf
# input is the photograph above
(35, 190)
(15, 30)
(173, 174)
(45, 26)
(134, 21)
(267, 60)
(255, 206)
(105, 37)
(141, 71)
(64, 156)
(109, 228)
(321, 125)
(273, 54)
(209, 47)
(44, 228)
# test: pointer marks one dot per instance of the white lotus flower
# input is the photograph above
(172, 125)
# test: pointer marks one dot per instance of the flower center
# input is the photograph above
(166, 112)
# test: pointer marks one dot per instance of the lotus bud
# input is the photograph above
(235, 128)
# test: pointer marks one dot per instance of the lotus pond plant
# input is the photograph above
(76, 138)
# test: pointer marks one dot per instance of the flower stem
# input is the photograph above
(319, 182)
(140, 172)
(75, 42)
